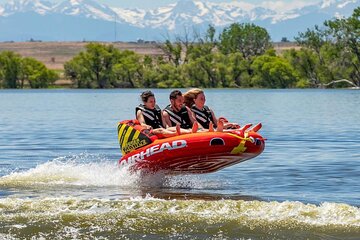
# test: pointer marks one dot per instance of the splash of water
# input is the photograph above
(97, 171)
(53, 218)
(76, 170)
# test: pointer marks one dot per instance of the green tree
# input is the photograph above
(36, 74)
(238, 73)
(271, 71)
(76, 71)
(313, 39)
(170, 76)
(128, 71)
(307, 65)
(204, 70)
(172, 51)
(247, 38)
(346, 32)
(316, 39)
(10, 67)
(149, 72)
(94, 67)
(210, 34)
(15, 71)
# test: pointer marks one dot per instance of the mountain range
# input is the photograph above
(78, 20)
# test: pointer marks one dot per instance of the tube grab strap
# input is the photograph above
(131, 136)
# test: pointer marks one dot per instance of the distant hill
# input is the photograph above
(78, 20)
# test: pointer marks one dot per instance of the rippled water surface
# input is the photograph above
(59, 176)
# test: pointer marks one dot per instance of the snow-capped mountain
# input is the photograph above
(17, 6)
(84, 8)
(280, 19)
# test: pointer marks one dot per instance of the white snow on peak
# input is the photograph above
(74, 2)
(133, 17)
(75, 11)
(234, 4)
(327, 3)
(38, 6)
(100, 14)
(202, 7)
(342, 5)
(181, 13)
(283, 17)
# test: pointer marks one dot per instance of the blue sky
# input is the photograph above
(149, 4)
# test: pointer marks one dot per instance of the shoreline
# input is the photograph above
(59, 87)
(55, 54)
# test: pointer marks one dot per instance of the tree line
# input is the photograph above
(241, 56)
(16, 70)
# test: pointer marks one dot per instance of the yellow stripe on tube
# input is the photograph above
(120, 133)
(127, 134)
(136, 135)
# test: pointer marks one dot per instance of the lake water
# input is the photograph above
(59, 176)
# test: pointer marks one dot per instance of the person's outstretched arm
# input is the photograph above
(166, 120)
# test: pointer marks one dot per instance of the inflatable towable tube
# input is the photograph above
(201, 152)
